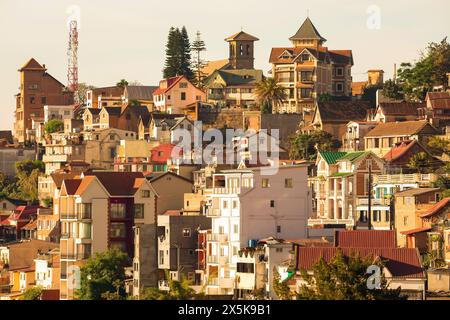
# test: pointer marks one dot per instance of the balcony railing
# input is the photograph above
(55, 158)
(404, 178)
(314, 222)
(235, 190)
(212, 259)
(374, 202)
(66, 215)
(216, 237)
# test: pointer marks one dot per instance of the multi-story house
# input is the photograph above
(176, 93)
(119, 95)
(47, 269)
(342, 178)
(409, 205)
(353, 139)
(62, 149)
(178, 244)
(233, 84)
(384, 186)
(247, 205)
(37, 89)
(385, 135)
(438, 108)
(308, 69)
(156, 126)
(97, 212)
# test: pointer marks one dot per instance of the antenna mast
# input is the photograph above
(72, 53)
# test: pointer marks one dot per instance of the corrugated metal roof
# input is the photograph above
(331, 157)
(365, 238)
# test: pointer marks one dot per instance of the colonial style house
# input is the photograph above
(176, 93)
(438, 108)
(340, 183)
(333, 116)
(385, 135)
(233, 84)
(308, 69)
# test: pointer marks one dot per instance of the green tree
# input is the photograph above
(198, 46)
(392, 90)
(269, 94)
(430, 70)
(54, 125)
(344, 278)
(280, 287)
(25, 184)
(420, 162)
(305, 146)
(439, 146)
(122, 83)
(178, 54)
(103, 276)
(33, 293)
(325, 97)
(442, 182)
(178, 290)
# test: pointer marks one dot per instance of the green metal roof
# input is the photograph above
(341, 174)
(331, 157)
(352, 156)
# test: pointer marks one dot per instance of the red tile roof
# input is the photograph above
(401, 262)
(399, 149)
(436, 208)
(416, 230)
(170, 83)
(365, 238)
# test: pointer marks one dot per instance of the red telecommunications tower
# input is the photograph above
(72, 53)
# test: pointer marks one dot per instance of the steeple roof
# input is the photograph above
(241, 35)
(307, 31)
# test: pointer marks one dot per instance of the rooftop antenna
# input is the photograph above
(72, 53)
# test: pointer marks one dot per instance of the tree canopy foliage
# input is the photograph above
(345, 278)
(178, 54)
(54, 125)
(103, 276)
(305, 145)
(178, 290)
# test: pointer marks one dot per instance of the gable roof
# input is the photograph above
(438, 100)
(331, 157)
(400, 108)
(241, 35)
(214, 65)
(140, 92)
(238, 77)
(400, 148)
(158, 175)
(401, 262)
(307, 31)
(403, 128)
(117, 183)
(353, 156)
(22, 254)
(171, 82)
(32, 64)
(58, 178)
(342, 111)
(113, 111)
(436, 208)
(365, 238)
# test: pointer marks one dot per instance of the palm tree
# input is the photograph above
(122, 83)
(269, 93)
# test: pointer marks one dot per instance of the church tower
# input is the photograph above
(241, 50)
(307, 36)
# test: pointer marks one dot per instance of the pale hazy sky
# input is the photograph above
(126, 39)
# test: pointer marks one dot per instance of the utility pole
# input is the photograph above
(369, 204)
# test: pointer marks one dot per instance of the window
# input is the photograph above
(245, 267)
(278, 229)
(305, 93)
(387, 216)
(235, 204)
(306, 76)
(377, 215)
(161, 256)
(118, 210)
(139, 211)
(265, 183)
(32, 99)
(340, 71)
(405, 221)
(118, 230)
(168, 97)
(236, 228)
(272, 203)
(305, 57)
(183, 85)
(145, 193)
(225, 204)
(111, 137)
(288, 183)
(183, 96)
(339, 87)
(186, 232)
(43, 100)
(112, 152)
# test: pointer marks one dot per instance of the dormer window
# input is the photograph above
(305, 57)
